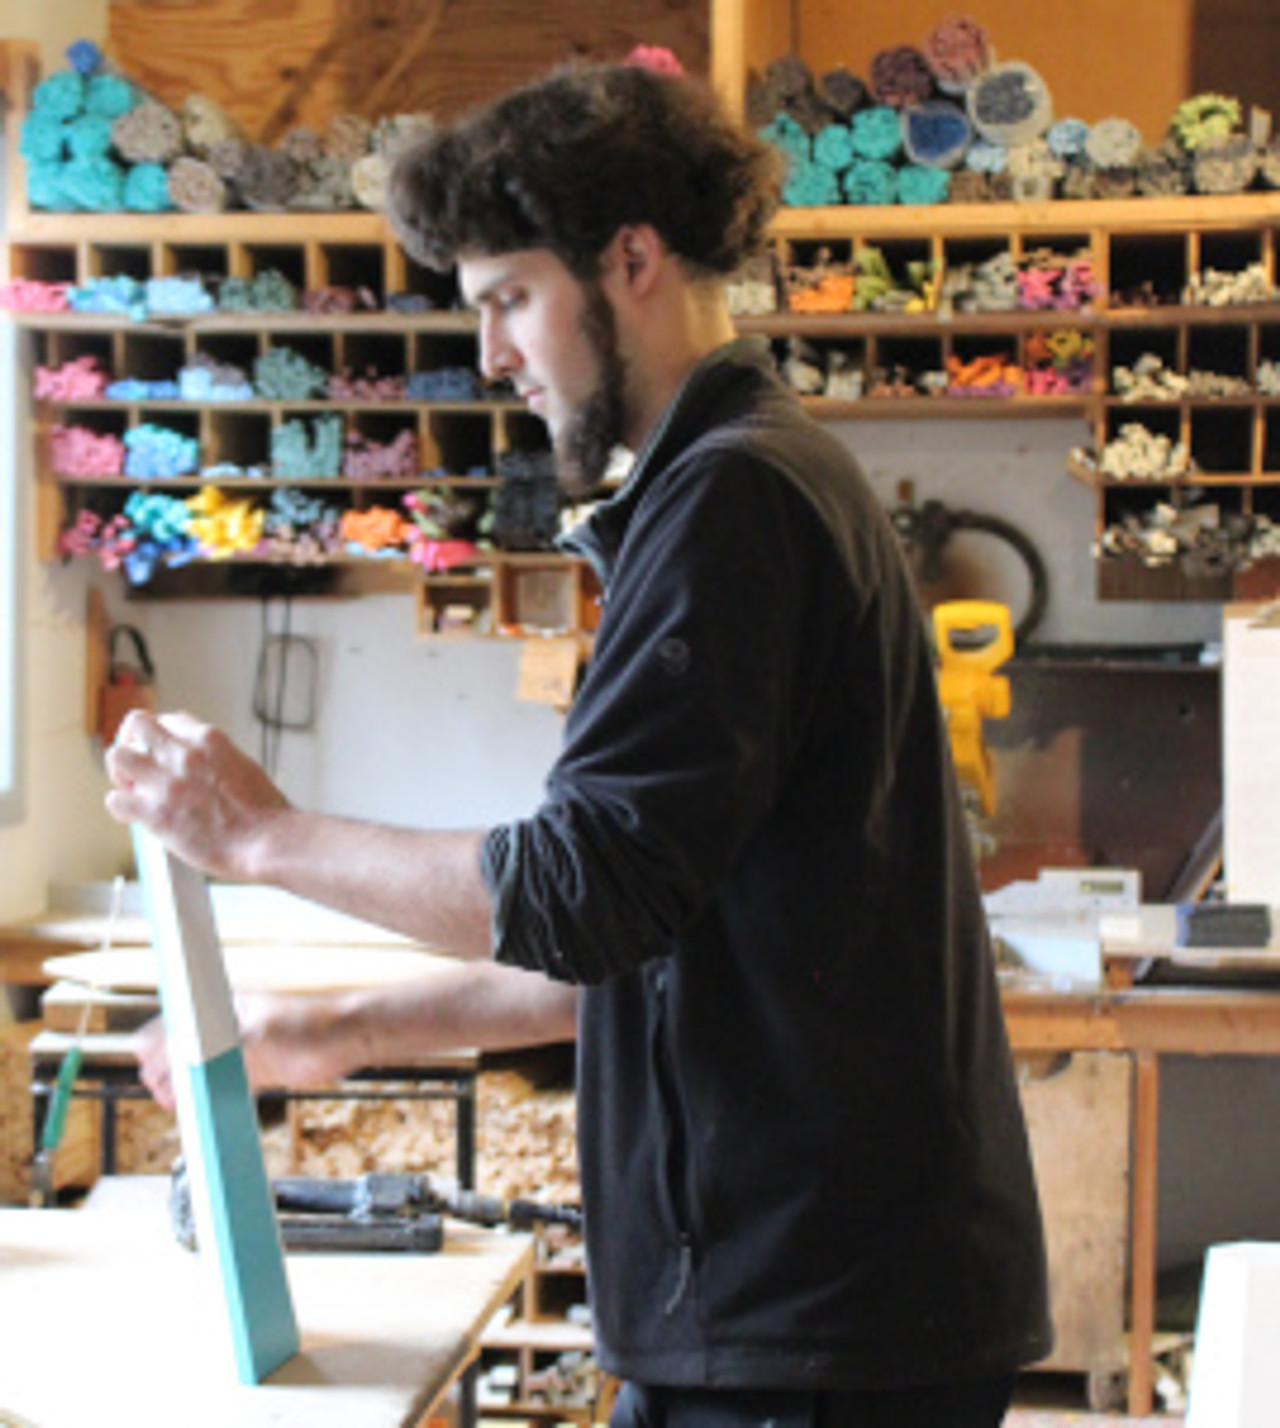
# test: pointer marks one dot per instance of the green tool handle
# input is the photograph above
(56, 1118)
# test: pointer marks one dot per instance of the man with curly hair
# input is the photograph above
(747, 891)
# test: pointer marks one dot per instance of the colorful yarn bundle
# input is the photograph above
(68, 138)
(204, 379)
(445, 384)
(88, 137)
(79, 379)
(267, 291)
(299, 525)
(876, 133)
(396, 460)
(990, 375)
(178, 296)
(444, 512)
(195, 186)
(1204, 120)
(79, 451)
(918, 184)
(1049, 282)
(121, 295)
(957, 52)
(31, 295)
(224, 526)
(111, 539)
(438, 556)
(155, 453)
(936, 133)
(344, 387)
(900, 76)
(878, 289)
(871, 181)
(337, 298)
(996, 133)
(282, 375)
(139, 389)
(300, 529)
(1058, 363)
(376, 531)
(409, 304)
(307, 452)
(146, 189)
(160, 535)
(989, 286)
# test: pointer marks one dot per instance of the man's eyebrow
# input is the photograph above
(485, 293)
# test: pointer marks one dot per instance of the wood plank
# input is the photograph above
(275, 64)
(1142, 1244)
(382, 1335)
(256, 968)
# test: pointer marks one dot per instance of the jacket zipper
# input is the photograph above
(676, 1144)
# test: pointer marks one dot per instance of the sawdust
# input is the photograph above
(524, 1137)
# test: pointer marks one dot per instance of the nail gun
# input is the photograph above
(376, 1211)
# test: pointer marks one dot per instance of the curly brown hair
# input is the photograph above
(564, 162)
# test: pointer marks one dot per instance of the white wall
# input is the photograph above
(1016, 470)
(61, 830)
(420, 732)
(53, 24)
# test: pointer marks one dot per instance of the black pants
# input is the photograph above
(967, 1405)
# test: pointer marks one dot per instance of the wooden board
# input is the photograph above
(240, 1245)
(1251, 752)
(109, 1295)
(265, 967)
(275, 64)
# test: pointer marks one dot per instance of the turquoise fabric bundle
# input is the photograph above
(871, 181)
(918, 183)
(876, 133)
(146, 189)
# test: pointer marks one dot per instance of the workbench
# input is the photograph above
(105, 1318)
(1144, 1024)
(1141, 1023)
(271, 942)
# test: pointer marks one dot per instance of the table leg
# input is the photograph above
(465, 1111)
(1142, 1232)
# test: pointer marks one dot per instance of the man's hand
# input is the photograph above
(192, 787)
(290, 1042)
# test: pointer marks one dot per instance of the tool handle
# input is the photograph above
(56, 1119)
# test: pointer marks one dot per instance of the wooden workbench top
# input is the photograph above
(105, 1319)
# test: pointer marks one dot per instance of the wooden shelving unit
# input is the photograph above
(504, 593)
(532, 1338)
(1233, 441)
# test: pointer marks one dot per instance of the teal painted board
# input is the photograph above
(231, 1199)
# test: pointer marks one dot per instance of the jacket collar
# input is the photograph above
(711, 394)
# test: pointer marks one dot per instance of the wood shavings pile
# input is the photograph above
(525, 1147)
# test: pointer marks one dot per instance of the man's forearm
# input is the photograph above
(303, 1041)
(425, 885)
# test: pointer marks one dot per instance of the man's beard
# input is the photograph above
(585, 447)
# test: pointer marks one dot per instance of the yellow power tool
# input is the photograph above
(973, 638)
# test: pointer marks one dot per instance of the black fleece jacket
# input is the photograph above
(803, 1157)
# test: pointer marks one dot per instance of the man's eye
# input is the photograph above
(509, 302)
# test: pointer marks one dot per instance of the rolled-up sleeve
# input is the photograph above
(681, 735)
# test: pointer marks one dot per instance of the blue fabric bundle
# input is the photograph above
(937, 133)
(156, 453)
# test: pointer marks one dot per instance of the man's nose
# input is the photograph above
(498, 358)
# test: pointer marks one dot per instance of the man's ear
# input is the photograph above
(637, 252)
